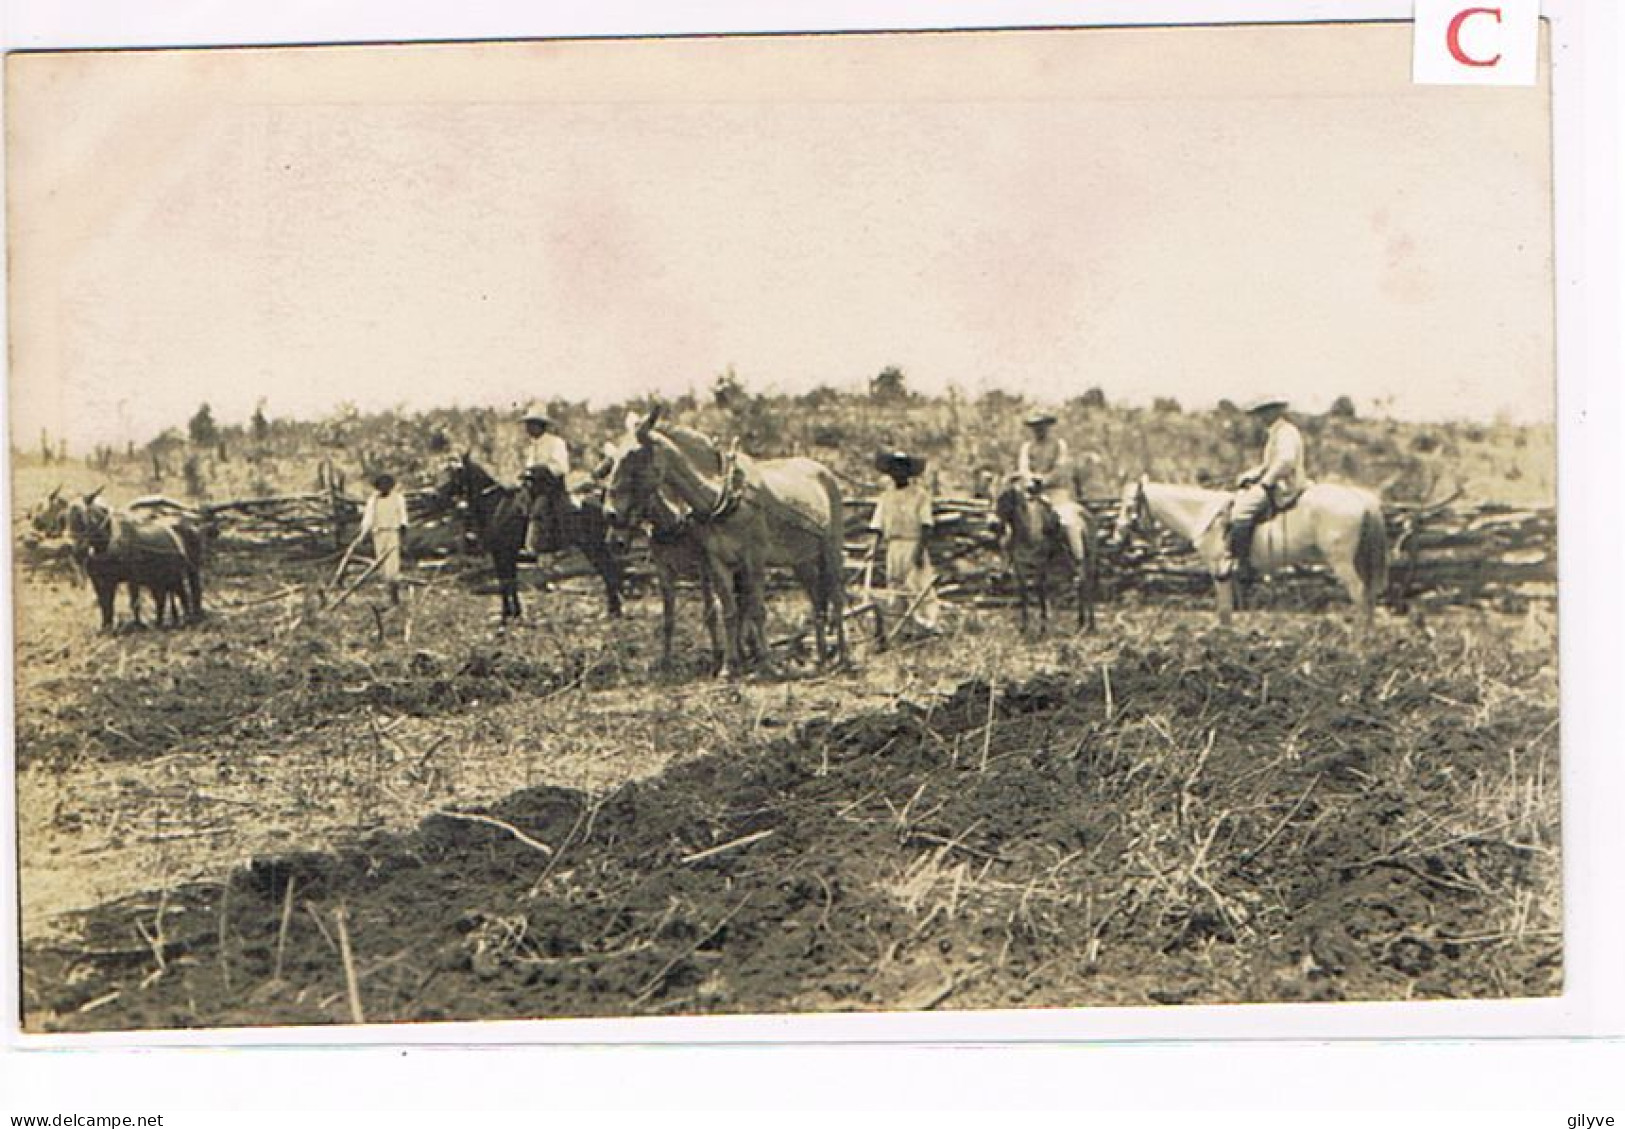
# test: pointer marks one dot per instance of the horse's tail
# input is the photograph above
(1371, 554)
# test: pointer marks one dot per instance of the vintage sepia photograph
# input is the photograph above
(756, 525)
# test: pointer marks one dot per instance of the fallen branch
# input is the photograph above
(720, 848)
(492, 821)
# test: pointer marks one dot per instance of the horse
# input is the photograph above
(162, 555)
(1035, 544)
(677, 555)
(747, 514)
(500, 519)
(1340, 525)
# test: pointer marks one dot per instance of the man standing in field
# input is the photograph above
(1045, 467)
(1265, 489)
(901, 520)
(384, 516)
(547, 462)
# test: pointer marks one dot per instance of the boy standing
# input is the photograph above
(385, 518)
(902, 518)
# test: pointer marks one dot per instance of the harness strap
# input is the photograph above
(732, 492)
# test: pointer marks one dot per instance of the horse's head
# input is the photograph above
(89, 523)
(49, 517)
(451, 484)
(634, 476)
(1132, 511)
(1020, 509)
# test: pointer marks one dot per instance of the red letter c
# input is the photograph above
(1453, 36)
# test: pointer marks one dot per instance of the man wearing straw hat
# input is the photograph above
(1045, 467)
(1266, 488)
(546, 453)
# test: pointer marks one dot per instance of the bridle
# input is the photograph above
(92, 524)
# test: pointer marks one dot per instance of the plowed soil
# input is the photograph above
(1185, 814)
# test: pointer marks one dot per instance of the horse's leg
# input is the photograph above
(135, 604)
(1086, 607)
(106, 592)
(507, 586)
(835, 593)
(753, 602)
(668, 611)
(1225, 594)
(1360, 593)
(728, 602)
(609, 568)
(192, 593)
(708, 610)
(1021, 596)
(811, 576)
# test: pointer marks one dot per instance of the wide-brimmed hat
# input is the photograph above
(888, 462)
(383, 481)
(1264, 403)
(535, 414)
(1040, 419)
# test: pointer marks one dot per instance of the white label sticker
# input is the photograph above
(1476, 42)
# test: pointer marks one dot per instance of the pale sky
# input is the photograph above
(1197, 213)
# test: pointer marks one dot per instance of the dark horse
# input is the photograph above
(498, 516)
(1035, 544)
(162, 555)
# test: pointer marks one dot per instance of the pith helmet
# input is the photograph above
(1264, 403)
(1040, 419)
(535, 414)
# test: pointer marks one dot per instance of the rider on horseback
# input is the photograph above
(547, 463)
(1266, 488)
(1045, 466)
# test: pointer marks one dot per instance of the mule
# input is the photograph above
(499, 519)
(1036, 545)
(1340, 525)
(747, 514)
(163, 556)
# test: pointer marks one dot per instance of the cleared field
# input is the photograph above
(529, 824)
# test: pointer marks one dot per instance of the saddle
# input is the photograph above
(1281, 501)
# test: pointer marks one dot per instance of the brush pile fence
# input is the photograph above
(1449, 553)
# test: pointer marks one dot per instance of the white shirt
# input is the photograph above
(1050, 453)
(1283, 455)
(549, 451)
(903, 513)
(384, 512)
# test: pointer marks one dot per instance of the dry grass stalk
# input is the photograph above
(352, 987)
(282, 928)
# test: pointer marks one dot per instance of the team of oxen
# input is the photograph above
(722, 519)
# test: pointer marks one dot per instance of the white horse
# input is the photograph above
(1340, 525)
